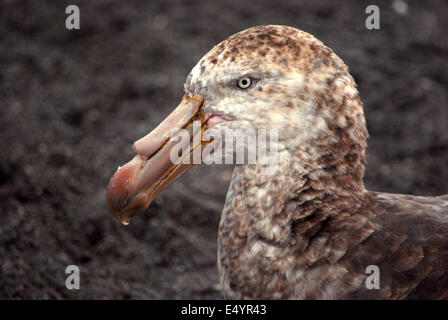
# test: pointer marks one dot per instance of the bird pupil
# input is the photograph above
(244, 83)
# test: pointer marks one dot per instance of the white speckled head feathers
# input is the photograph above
(300, 87)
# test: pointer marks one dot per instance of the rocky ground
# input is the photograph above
(72, 102)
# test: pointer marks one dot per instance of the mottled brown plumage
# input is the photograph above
(310, 230)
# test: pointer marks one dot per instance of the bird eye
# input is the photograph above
(244, 83)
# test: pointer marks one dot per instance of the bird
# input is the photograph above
(310, 230)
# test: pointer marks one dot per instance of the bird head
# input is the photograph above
(263, 79)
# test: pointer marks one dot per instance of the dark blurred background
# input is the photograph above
(73, 101)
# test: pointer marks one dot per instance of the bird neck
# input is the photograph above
(275, 216)
(264, 206)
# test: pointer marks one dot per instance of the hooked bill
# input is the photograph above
(138, 182)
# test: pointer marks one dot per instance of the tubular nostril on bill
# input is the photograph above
(180, 117)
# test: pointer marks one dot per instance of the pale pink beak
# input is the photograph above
(138, 182)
